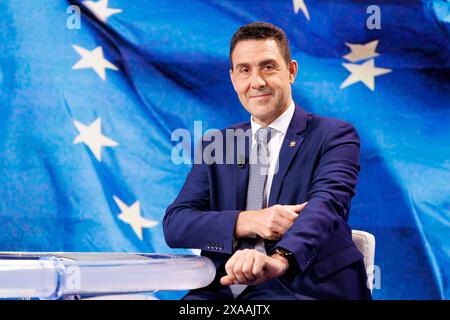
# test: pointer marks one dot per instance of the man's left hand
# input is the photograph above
(252, 267)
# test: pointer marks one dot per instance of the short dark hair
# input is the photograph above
(261, 31)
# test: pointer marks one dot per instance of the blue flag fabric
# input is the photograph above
(88, 106)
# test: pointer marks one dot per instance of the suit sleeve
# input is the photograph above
(333, 186)
(189, 222)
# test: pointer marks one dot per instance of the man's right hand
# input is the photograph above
(269, 223)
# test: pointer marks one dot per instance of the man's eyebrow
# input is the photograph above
(239, 65)
(261, 63)
(267, 61)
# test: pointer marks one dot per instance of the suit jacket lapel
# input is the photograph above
(241, 171)
(291, 145)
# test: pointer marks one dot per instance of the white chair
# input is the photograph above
(365, 242)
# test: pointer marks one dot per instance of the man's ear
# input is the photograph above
(293, 69)
(232, 80)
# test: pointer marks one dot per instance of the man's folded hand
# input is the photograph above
(269, 223)
(252, 267)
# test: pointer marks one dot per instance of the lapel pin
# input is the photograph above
(292, 144)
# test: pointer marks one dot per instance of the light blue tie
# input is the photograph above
(258, 171)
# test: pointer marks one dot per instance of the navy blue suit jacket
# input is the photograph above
(322, 168)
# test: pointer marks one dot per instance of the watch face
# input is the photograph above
(282, 252)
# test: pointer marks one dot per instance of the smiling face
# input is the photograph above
(262, 79)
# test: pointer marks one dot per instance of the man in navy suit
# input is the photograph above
(275, 229)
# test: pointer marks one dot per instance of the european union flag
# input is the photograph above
(91, 92)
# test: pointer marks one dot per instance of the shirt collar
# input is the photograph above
(280, 124)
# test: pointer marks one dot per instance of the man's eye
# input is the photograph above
(268, 67)
(244, 70)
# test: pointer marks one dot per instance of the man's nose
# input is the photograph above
(257, 81)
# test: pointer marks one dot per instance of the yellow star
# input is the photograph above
(92, 136)
(365, 73)
(132, 216)
(300, 5)
(100, 9)
(93, 59)
(361, 51)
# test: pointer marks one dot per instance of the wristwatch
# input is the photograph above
(293, 267)
(283, 252)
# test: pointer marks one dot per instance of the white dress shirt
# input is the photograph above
(280, 126)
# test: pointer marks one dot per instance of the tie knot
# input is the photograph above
(263, 134)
